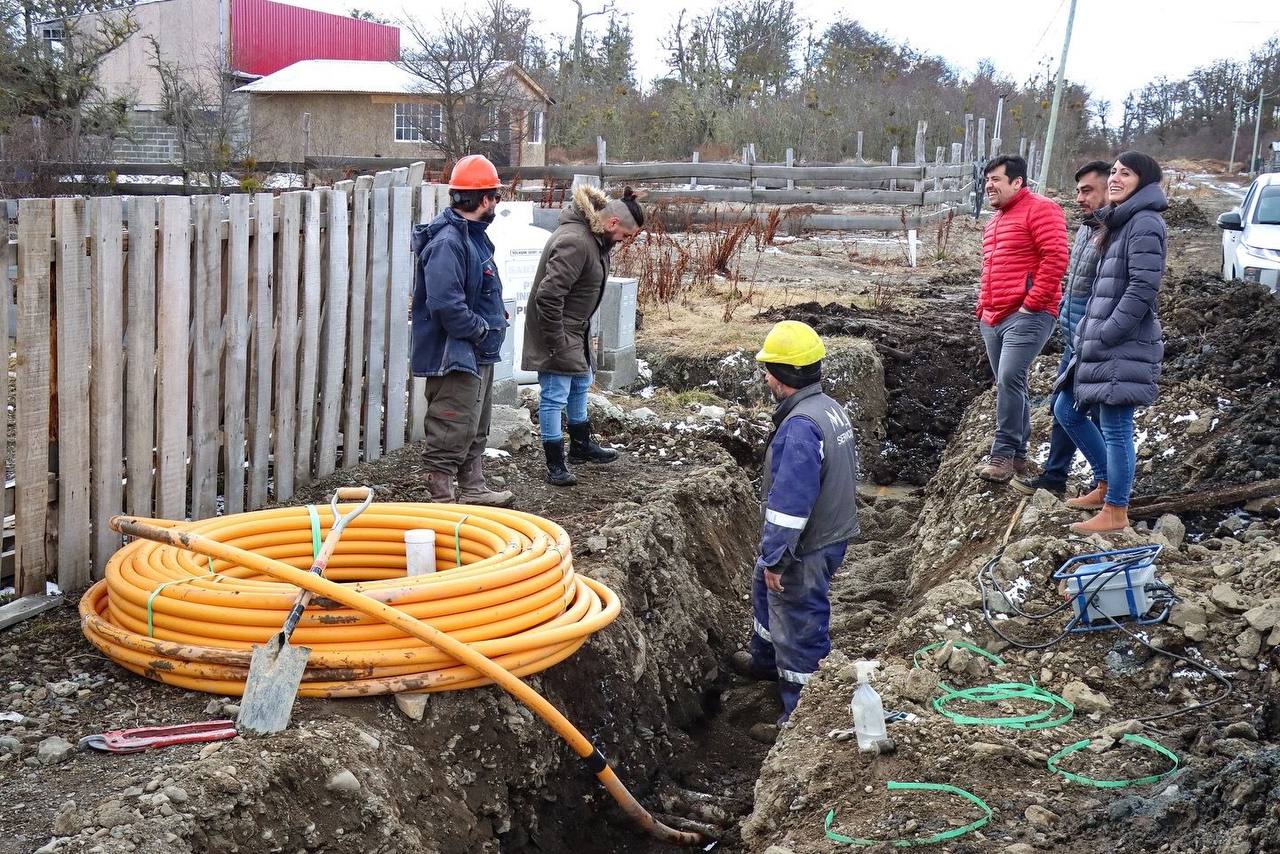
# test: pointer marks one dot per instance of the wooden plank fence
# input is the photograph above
(199, 356)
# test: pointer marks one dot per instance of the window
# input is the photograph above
(1268, 210)
(537, 119)
(419, 122)
(53, 34)
(498, 125)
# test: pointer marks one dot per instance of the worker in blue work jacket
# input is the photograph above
(809, 491)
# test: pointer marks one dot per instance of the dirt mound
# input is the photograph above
(1185, 213)
(479, 772)
(934, 364)
(1111, 678)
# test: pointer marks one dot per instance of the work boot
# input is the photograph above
(997, 470)
(744, 665)
(1028, 485)
(472, 488)
(1110, 519)
(1023, 467)
(558, 473)
(583, 448)
(764, 733)
(440, 487)
(1093, 500)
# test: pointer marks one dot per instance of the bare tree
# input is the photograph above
(465, 64)
(578, 50)
(200, 104)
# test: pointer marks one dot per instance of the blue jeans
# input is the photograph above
(792, 628)
(561, 392)
(1109, 450)
(1062, 451)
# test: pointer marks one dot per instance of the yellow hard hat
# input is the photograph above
(791, 342)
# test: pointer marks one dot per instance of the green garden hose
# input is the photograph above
(1139, 740)
(893, 785)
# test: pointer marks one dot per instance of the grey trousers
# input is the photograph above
(459, 409)
(1011, 347)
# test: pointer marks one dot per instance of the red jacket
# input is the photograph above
(1024, 257)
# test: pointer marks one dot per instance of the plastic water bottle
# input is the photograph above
(868, 711)
(420, 551)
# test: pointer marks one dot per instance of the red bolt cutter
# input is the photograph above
(144, 738)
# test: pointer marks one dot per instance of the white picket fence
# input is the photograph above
(180, 357)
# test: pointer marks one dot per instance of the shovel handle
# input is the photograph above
(353, 493)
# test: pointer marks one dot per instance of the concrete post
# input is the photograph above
(616, 356)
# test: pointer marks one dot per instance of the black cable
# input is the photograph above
(986, 569)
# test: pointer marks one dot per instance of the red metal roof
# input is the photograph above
(268, 36)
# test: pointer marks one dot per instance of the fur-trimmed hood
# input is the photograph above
(588, 207)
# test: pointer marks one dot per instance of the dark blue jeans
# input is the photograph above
(1062, 451)
(792, 628)
(1109, 450)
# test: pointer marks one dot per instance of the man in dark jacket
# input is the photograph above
(458, 327)
(1024, 254)
(809, 491)
(567, 289)
(1091, 191)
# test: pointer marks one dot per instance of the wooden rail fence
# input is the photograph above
(180, 357)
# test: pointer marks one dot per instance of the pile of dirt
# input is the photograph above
(478, 772)
(1227, 617)
(1185, 213)
(934, 365)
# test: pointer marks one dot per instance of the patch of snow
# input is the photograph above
(496, 453)
(1190, 416)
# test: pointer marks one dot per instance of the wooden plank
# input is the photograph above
(236, 356)
(262, 348)
(376, 330)
(810, 222)
(286, 371)
(400, 176)
(401, 287)
(334, 332)
(309, 343)
(356, 322)
(26, 608)
(416, 170)
(75, 335)
(206, 357)
(795, 197)
(31, 453)
(108, 378)
(173, 341)
(7, 285)
(383, 179)
(140, 356)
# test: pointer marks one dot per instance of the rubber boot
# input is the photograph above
(583, 448)
(1109, 520)
(473, 490)
(558, 473)
(1094, 500)
(440, 487)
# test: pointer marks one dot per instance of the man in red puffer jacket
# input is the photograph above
(1024, 257)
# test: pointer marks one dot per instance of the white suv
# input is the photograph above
(1251, 235)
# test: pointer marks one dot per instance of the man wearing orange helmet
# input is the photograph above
(458, 327)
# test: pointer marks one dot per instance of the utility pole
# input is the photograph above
(1057, 101)
(1257, 128)
(1235, 132)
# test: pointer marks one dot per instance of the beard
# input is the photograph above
(490, 216)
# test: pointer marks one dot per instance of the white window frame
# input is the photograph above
(537, 127)
(418, 122)
(53, 35)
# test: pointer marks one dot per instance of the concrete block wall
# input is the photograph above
(150, 141)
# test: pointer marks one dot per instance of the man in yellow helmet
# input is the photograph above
(809, 491)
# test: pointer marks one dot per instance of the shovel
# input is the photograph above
(276, 668)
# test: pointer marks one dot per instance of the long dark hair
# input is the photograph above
(1148, 171)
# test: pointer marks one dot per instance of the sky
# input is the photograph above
(1116, 45)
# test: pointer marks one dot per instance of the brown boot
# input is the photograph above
(440, 487)
(1109, 520)
(472, 488)
(997, 470)
(1092, 500)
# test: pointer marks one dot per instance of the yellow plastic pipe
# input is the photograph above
(185, 602)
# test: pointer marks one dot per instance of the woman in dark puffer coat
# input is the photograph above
(1118, 342)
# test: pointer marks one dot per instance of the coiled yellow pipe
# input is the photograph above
(185, 603)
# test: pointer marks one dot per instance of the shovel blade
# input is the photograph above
(275, 672)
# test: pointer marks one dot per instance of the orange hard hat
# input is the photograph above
(474, 172)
